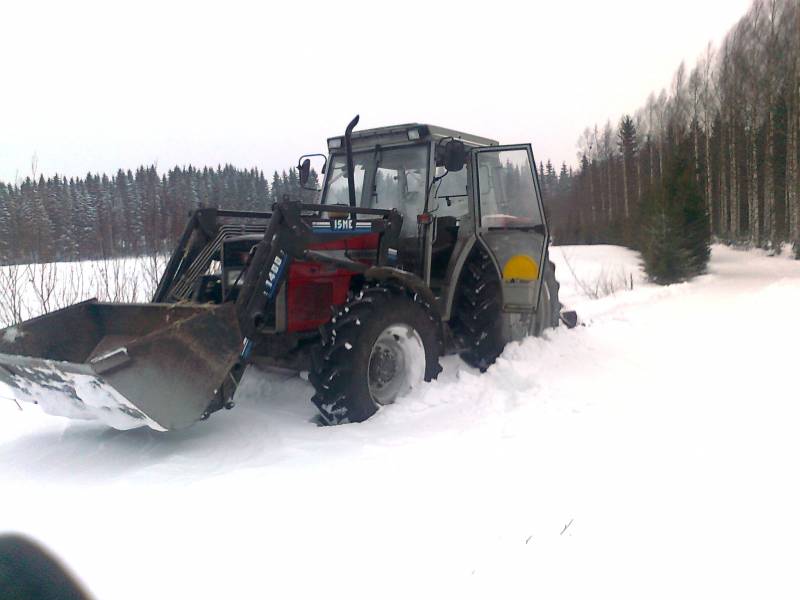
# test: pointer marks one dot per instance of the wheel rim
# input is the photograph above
(396, 363)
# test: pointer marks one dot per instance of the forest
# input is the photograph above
(129, 214)
(736, 113)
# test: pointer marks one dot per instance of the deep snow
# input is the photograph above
(650, 453)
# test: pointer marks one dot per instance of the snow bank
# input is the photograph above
(647, 453)
(34, 289)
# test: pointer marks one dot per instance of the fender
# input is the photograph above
(406, 279)
(460, 254)
(455, 269)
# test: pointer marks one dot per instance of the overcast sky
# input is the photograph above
(95, 86)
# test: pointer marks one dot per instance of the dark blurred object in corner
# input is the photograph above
(29, 572)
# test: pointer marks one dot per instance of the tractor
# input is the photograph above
(422, 242)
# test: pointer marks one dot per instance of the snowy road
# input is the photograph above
(652, 453)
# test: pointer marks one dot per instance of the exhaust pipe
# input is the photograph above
(348, 148)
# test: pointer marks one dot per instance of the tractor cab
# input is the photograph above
(422, 172)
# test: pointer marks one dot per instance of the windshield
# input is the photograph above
(394, 178)
(336, 187)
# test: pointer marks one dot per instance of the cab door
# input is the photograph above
(510, 220)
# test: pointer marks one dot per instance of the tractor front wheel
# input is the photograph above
(382, 343)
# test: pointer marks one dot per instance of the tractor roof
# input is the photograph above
(394, 134)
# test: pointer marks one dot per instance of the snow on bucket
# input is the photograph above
(127, 365)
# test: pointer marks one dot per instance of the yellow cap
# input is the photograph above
(522, 268)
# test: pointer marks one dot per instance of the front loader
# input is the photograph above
(424, 242)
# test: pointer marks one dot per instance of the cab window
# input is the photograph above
(507, 190)
(401, 177)
(450, 194)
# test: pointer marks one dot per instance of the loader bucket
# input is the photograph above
(128, 365)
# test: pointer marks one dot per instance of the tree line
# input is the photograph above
(733, 120)
(735, 117)
(132, 213)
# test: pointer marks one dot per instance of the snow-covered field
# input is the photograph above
(30, 290)
(652, 453)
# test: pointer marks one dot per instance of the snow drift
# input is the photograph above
(648, 453)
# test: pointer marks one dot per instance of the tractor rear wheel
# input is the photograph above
(380, 344)
(477, 316)
(548, 313)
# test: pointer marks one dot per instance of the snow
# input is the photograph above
(651, 452)
(11, 335)
(33, 289)
(62, 393)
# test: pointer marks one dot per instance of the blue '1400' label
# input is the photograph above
(274, 275)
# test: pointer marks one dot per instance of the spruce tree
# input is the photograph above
(550, 176)
(563, 176)
(5, 225)
(676, 242)
(277, 187)
(542, 182)
(626, 137)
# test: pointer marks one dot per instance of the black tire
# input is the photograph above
(477, 312)
(343, 369)
(548, 314)
(477, 318)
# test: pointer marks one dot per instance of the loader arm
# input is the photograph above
(294, 233)
(201, 243)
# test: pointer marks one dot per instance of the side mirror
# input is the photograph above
(304, 171)
(455, 155)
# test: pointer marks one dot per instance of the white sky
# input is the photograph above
(103, 85)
